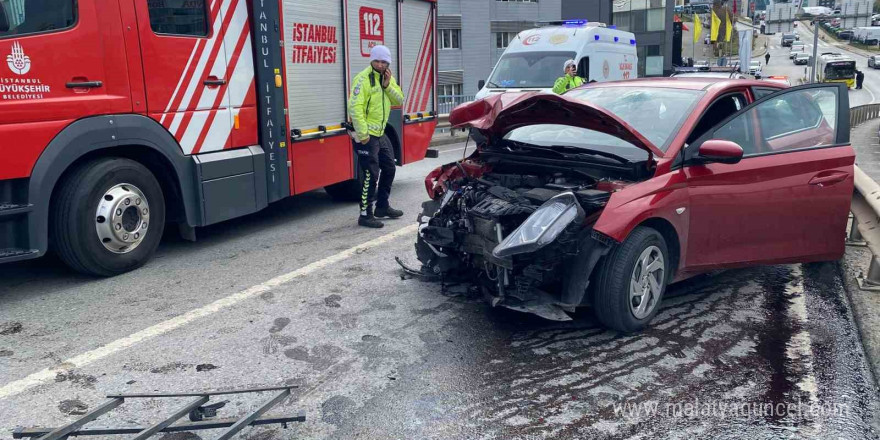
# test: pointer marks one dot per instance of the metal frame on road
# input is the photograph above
(195, 409)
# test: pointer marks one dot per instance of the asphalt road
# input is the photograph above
(298, 294)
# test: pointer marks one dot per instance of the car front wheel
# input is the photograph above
(632, 280)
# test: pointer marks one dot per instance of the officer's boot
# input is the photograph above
(368, 220)
(388, 211)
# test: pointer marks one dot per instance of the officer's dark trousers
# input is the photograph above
(376, 159)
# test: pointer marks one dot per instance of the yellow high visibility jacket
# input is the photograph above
(567, 83)
(369, 104)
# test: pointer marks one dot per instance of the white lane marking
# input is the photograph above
(48, 375)
(800, 348)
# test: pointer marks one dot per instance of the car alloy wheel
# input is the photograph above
(646, 283)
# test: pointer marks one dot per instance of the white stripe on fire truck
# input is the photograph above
(424, 77)
(195, 82)
(183, 73)
(410, 94)
(209, 96)
(241, 79)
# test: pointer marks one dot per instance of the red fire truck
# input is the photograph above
(119, 116)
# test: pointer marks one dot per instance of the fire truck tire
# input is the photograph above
(108, 217)
(348, 191)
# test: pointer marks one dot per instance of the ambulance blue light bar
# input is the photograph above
(574, 22)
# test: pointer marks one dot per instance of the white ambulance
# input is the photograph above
(535, 58)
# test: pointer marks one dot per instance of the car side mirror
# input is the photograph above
(721, 151)
(480, 84)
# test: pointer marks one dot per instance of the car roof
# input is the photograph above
(683, 82)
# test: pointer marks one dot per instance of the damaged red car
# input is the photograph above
(605, 195)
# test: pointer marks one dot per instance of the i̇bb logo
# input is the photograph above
(532, 40)
(18, 62)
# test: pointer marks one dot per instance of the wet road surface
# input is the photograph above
(757, 353)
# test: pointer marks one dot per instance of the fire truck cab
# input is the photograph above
(118, 117)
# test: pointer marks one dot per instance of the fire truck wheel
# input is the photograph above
(348, 191)
(108, 217)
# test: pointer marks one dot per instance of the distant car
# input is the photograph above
(779, 79)
(802, 58)
(755, 68)
(874, 61)
(845, 35)
(788, 38)
(796, 48)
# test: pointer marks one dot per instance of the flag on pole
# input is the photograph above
(728, 28)
(715, 28)
(698, 28)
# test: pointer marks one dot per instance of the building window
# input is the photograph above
(639, 15)
(179, 17)
(650, 60)
(449, 90)
(502, 39)
(450, 38)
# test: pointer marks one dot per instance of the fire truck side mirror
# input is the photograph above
(481, 84)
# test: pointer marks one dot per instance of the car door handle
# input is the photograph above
(828, 179)
(214, 82)
(84, 84)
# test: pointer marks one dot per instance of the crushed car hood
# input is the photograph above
(498, 114)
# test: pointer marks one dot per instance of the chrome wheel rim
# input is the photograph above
(646, 284)
(122, 218)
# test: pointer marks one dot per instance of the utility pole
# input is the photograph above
(815, 51)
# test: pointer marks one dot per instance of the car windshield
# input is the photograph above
(656, 113)
(529, 69)
(755, 64)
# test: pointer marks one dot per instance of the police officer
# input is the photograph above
(860, 78)
(373, 92)
(570, 80)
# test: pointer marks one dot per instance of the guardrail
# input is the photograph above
(862, 113)
(865, 207)
(443, 121)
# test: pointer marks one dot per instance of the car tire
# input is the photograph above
(615, 305)
(348, 191)
(107, 217)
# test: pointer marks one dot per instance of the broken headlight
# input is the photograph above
(542, 227)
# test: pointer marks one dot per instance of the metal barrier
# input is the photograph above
(862, 113)
(865, 207)
(445, 103)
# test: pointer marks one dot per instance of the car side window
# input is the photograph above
(718, 111)
(23, 17)
(179, 17)
(761, 92)
(792, 120)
